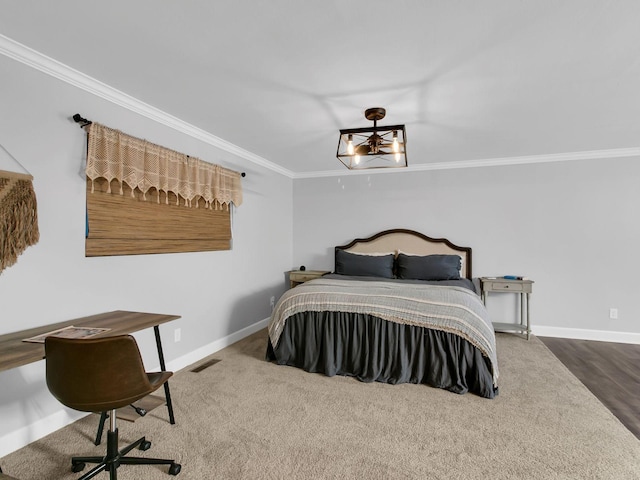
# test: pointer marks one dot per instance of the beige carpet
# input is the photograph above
(244, 418)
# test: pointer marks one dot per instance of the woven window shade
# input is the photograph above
(142, 165)
(137, 193)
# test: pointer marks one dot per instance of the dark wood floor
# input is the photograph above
(609, 370)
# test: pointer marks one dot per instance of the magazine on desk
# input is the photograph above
(68, 332)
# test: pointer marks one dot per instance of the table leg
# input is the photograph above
(163, 367)
(523, 320)
(528, 320)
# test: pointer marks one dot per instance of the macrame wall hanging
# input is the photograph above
(18, 213)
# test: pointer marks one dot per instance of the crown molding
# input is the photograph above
(490, 162)
(34, 59)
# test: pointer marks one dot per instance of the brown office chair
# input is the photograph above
(98, 375)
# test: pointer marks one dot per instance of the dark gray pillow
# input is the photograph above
(364, 265)
(430, 267)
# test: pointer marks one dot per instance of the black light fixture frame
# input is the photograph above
(373, 144)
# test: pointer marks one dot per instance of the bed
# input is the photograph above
(399, 307)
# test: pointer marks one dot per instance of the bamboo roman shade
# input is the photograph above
(144, 198)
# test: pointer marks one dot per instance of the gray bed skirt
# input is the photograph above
(372, 349)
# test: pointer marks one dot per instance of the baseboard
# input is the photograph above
(202, 352)
(584, 334)
(40, 428)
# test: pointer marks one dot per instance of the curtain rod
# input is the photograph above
(84, 122)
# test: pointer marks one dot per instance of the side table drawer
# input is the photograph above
(303, 277)
(513, 287)
(296, 277)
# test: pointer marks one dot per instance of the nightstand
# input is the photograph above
(503, 285)
(296, 277)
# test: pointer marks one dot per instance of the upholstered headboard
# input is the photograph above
(410, 242)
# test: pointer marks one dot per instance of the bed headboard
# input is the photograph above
(409, 241)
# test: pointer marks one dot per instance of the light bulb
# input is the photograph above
(397, 158)
(350, 149)
(357, 159)
(396, 146)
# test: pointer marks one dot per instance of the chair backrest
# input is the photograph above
(95, 374)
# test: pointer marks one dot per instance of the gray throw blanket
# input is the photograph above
(450, 309)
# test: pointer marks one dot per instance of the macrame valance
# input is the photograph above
(18, 216)
(142, 165)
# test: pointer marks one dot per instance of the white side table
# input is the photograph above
(521, 287)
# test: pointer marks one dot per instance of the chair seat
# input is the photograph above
(158, 378)
(98, 374)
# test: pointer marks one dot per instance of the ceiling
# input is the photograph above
(472, 80)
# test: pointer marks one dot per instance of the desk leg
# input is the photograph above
(163, 367)
(103, 418)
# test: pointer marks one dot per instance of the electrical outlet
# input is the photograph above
(613, 313)
(177, 334)
(272, 302)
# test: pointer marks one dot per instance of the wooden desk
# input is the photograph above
(16, 353)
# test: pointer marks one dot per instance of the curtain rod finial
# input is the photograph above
(82, 121)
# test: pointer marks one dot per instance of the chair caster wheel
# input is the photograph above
(77, 467)
(175, 468)
(146, 445)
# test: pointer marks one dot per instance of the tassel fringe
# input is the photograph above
(18, 217)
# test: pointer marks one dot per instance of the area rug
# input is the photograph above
(245, 418)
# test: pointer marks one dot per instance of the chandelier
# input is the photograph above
(373, 147)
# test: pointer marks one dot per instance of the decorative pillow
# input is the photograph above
(398, 252)
(364, 265)
(430, 267)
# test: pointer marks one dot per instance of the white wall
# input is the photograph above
(216, 293)
(572, 227)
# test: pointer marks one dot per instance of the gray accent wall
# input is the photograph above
(573, 227)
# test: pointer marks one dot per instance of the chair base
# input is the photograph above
(114, 458)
